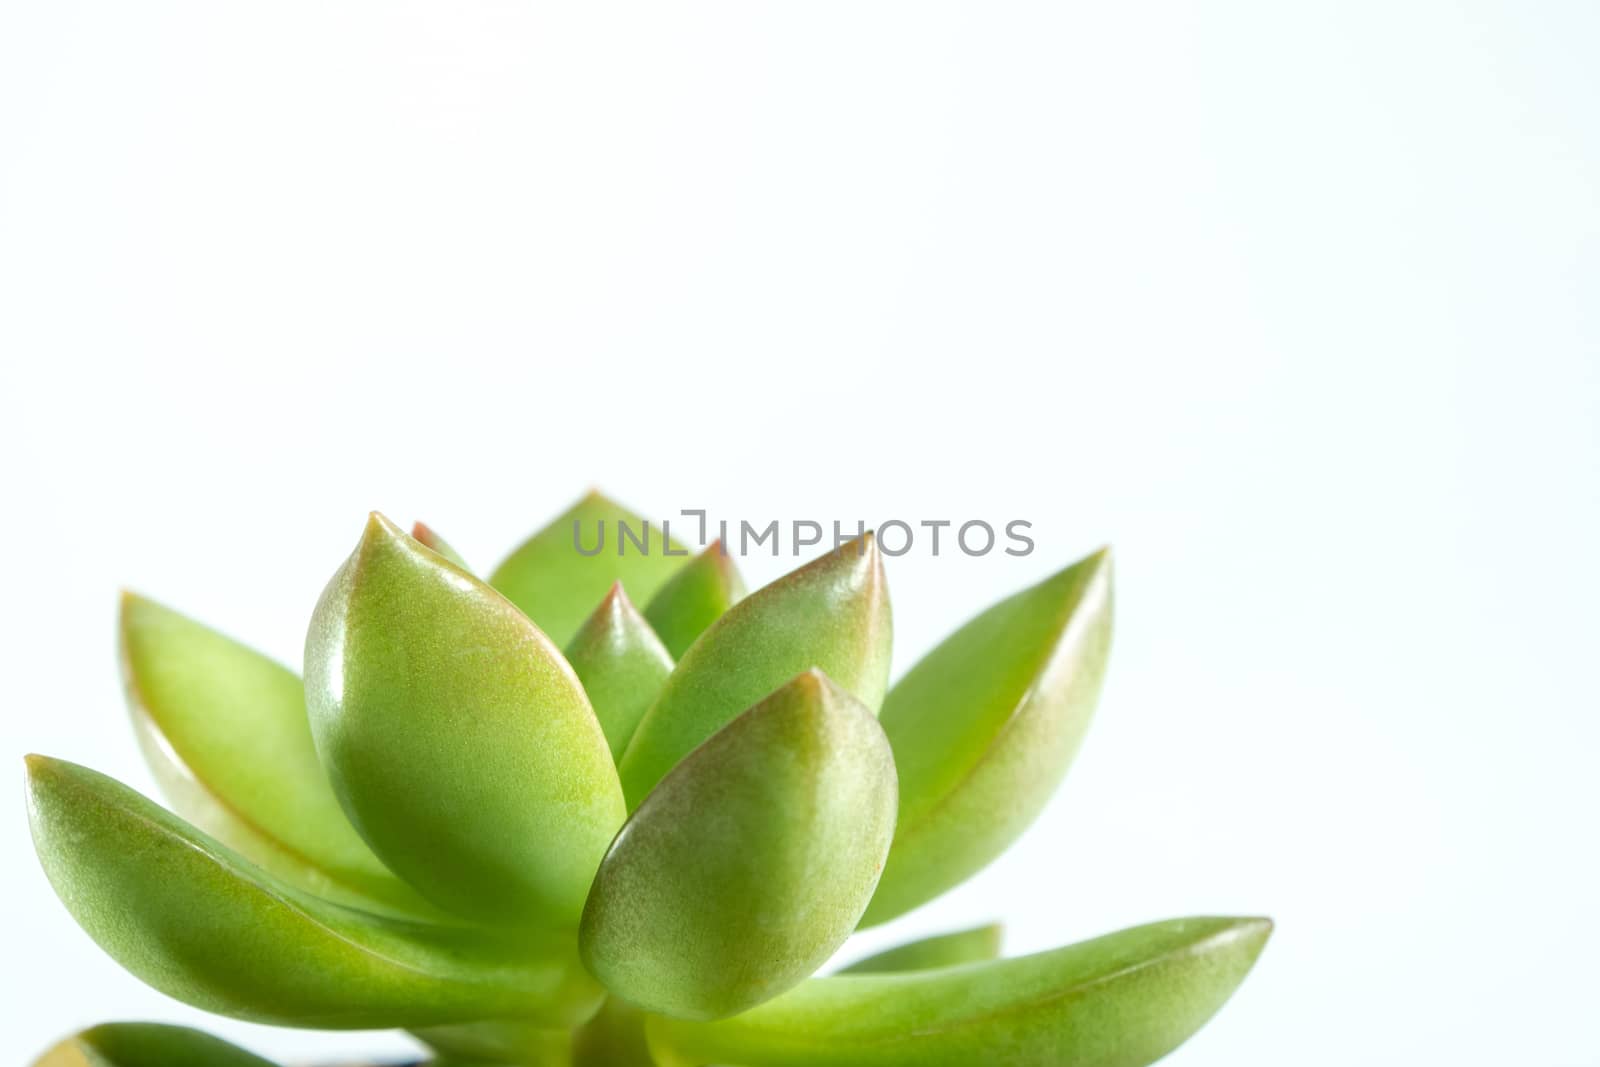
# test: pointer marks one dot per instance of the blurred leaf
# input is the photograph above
(429, 538)
(224, 729)
(613, 1038)
(457, 737)
(147, 1045)
(558, 585)
(694, 598)
(499, 1042)
(1124, 1000)
(985, 726)
(947, 950)
(832, 614)
(621, 663)
(750, 863)
(197, 922)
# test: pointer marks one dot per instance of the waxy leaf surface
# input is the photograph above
(752, 860)
(832, 614)
(147, 1045)
(946, 950)
(457, 737)
(621, 663)
(985, 726)
(224, 729)
(1124, 1000)
(429, 538)
(694, 598)
(559, 574)
(199, 923)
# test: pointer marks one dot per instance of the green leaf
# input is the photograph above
(499, 1041)
(147, 1045)
(946, 950)
(1124, 1000)
(429, 537)
(457, 737)
(694, 598)
(559, 574)
(199, 923)
(621, 663)
(224, 729)
(613, 1038)
(985, 726)
(832, 614)
(752, 860)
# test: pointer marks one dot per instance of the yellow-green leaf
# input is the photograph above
(199, 923)
(832, 614)
(224, 729)
(621, 663)
(750, 863)
(147, 1045)
(458, 739)
(694, 598)
(945, 950)
(985, 727)
(1124, 1000)
(559, 574)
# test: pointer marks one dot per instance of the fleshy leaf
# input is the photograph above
(224, 730)
(694, 598)
(946, 950)
(429, 538)
(832, 614)
(985, 726)
(457, 737)
(750, 863)
(559, 574)
(147, 1045)
(199, 923)
(621, 664)
(1124, 1000)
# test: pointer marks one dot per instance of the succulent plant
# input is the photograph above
(534, 824)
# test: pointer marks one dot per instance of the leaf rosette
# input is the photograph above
(605, 808)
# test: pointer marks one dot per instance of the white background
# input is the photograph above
(1295, 304)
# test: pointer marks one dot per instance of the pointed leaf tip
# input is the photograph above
(749, 864)
(621, 664)
(985, 726)
(694, 598)
(832, 614)
(559, 574)
(457, 737)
